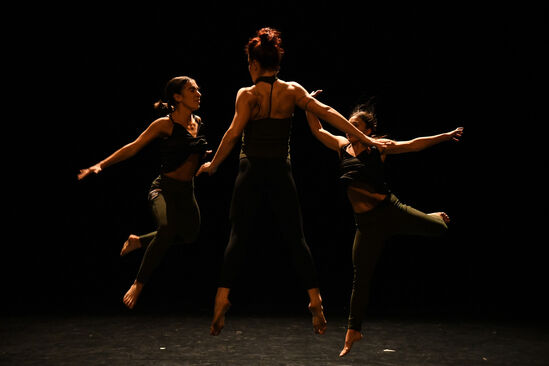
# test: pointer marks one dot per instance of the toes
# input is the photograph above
(344, 351)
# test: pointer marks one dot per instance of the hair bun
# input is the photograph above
(269, 36)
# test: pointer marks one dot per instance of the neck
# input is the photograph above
(358, 146)
(182, 116)
(265, 74)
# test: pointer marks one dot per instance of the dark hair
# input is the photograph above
(367, 114)
(265, 48)
(174, 86)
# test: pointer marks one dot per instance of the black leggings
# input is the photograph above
(178, 218)
(260, 181)
(374, 228)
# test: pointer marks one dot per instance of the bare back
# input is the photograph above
(284, 96)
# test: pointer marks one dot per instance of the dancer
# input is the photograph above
(171, 194)
(262, 118)
(378, 212)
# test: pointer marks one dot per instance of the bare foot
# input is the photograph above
(351, 337)
(442, 215)
(319, 321)
(218, 321)
(130, 245)
(130, 298)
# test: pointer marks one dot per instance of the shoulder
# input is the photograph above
(161, 125)
(246, 95)
(294, 86)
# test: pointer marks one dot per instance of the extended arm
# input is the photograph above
(325, 137)
(154, 130)
(421, 143)
(233, 133)
(333, 117)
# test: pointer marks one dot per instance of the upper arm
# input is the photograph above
(325, 137)
(155, 130)
(302, 96)
(242, 112)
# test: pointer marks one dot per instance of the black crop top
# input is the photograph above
(366, 168)
(177, 147)
(267, 137)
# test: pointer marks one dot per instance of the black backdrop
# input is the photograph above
(97, 71)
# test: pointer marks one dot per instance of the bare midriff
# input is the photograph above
(362, 200)
(186, 171)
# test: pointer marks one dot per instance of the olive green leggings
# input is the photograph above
(178, 218)
(373, 229)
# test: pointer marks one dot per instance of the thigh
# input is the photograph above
(248, 193)
(185, 215)
(284, 200)
(159, 206)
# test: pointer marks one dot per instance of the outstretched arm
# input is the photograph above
(329, 140)
(421, 143)
(233, 133)
(154, 130)
(310, 104)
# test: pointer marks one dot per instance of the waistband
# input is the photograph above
(163, 181)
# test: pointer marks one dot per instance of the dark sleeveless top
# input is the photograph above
(267, 137)
(366, 168)
(177, 147)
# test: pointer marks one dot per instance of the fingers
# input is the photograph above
(316, 92)
(83, 173)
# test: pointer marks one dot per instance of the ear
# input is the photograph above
(255, 65)
(177, 97)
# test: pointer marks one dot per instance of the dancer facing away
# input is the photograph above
(378, 212)
(262, 118)
(171, 194)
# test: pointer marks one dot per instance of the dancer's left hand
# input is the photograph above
(205, 168)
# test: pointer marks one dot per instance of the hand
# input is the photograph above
(455, 134)
(382, 144)
(316, 92)
(85, 172)
(206, 168)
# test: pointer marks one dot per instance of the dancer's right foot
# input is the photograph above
(351, 337)
(130, 245)
(222, 305)
(130, 298)
(319, 321)
(442, 215)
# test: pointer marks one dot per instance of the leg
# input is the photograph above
(155, 250)
(285, 203)
(244, 206)
(367, 249)
(409, 221)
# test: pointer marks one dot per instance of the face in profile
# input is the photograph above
(359, 124)
(190, 96)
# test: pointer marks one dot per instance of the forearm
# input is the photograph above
(421, 143)
(225, 147)
(314, 124)
(119, 155)
(334, 118)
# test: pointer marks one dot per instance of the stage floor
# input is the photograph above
(151, 339)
